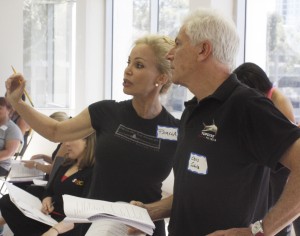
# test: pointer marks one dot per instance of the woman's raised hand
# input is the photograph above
(15, 86)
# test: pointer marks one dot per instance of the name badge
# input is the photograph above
(197, 164)
(168, 133)
(3, 127)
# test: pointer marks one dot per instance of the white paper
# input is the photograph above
(18, 170)
(83, 210)
(108, 228)
(28, 204)
(40, 182)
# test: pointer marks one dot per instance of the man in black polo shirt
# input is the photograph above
(229, 138)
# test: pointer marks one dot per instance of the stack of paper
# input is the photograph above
(28, 204)
(83, 210)
(20, 173)
(108, 228)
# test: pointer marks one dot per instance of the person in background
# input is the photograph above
(229, 135)
(73, 178)
(24, 127)
(10, 137)
(254, 76)
(136, 138)
(19, 121)
(59, 151)
(44, 167)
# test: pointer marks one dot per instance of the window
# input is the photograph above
(134, 18)
(272, 41)
(49, 42)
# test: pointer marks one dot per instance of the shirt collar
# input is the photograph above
(221, 93)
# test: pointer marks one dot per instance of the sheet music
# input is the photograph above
(18, 170)
(28, 204)
(108, 228)
(88, 210)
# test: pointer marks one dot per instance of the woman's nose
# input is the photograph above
(128, 71)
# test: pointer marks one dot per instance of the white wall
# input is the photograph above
(90, 48)
(258, 24)
(11, 40)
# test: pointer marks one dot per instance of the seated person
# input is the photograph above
(10, 137)
(73, 177)
(59, 151)
(18, 120)
(22, 124)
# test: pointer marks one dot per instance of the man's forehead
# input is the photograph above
(182, 35)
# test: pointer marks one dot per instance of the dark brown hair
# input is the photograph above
(4, 103)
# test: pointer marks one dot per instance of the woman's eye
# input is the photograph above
(139, 65)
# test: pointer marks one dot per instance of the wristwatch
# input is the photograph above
(257, 228)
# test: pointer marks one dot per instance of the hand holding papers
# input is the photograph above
(82, 210)
(28, 204)
(20, 173)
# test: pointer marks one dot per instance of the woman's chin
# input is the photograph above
(125, 91)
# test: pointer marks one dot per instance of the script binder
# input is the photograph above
(83, 210)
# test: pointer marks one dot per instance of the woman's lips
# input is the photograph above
(126, 83)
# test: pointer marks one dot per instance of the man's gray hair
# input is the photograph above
(208, 24)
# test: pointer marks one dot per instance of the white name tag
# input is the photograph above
(3, 127)
(197, 164)
(169, 133)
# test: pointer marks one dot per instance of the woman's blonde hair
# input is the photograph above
(160, 45)
(59, 116)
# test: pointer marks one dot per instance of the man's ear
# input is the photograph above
(204, 49)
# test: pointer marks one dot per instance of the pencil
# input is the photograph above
(25, 91)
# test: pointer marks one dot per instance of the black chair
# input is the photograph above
(26, 141)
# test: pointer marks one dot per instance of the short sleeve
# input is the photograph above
(265, 131)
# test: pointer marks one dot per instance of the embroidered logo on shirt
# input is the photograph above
(78, 182)
(209, 132)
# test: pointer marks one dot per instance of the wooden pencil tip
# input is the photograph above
(13, 69)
